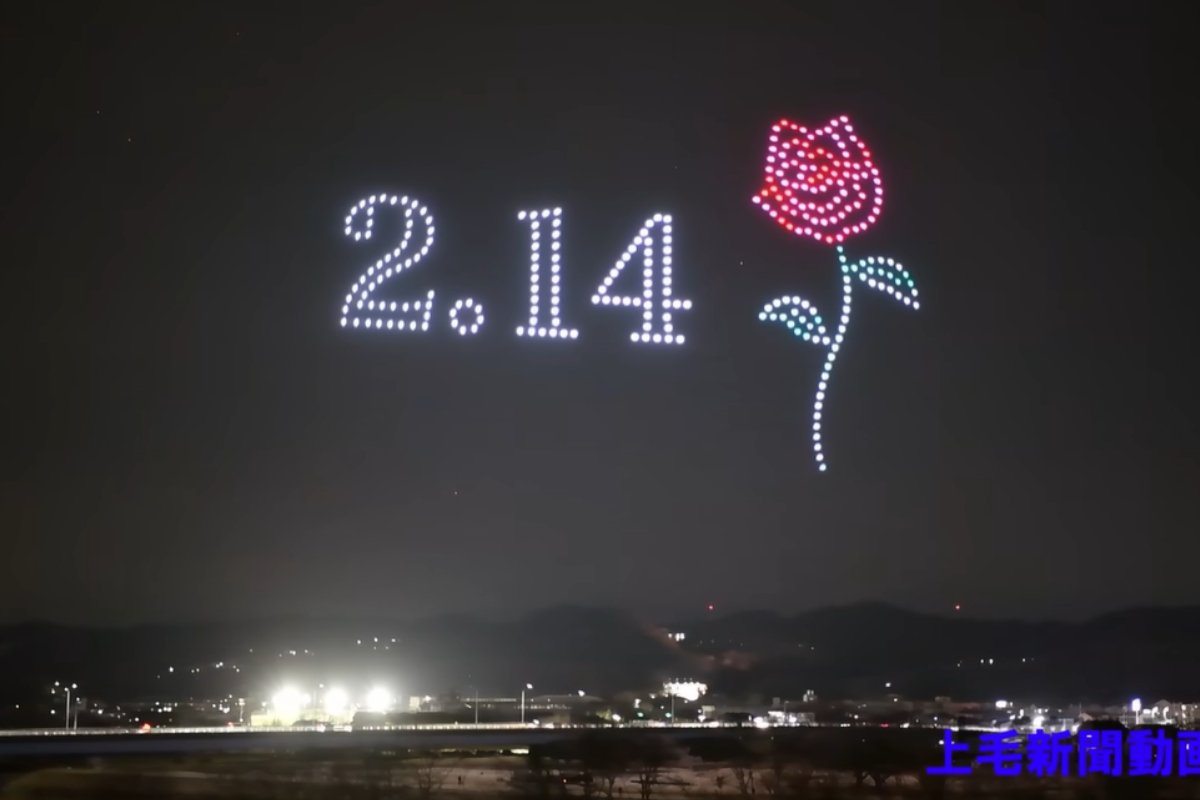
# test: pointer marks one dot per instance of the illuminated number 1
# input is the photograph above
(547, 220)
(658, 308)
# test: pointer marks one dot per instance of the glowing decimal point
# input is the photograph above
(536, 327)
(470, 305)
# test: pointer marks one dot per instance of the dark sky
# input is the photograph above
(191, 435)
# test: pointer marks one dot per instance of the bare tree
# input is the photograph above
(536, 778)
(429, 773)
(785, 773)
(743, 778)
(605, 759)
(746, 755)
(652, 754)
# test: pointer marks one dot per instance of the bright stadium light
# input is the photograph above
(288, 701)
(688, 690)
(379, 700)
(336, 701)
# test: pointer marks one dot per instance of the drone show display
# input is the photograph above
(819, 184)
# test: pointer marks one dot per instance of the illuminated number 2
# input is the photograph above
(657, 307)
(361, 308)
(545, 221)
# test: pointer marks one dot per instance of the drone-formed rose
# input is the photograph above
(820, 183)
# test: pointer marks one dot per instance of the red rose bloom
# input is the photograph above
(820, 183)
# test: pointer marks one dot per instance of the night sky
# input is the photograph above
(191, 435)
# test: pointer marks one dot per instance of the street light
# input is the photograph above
(475, 705)
(527, 686)
(67, 689)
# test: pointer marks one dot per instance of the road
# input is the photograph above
(99, 742)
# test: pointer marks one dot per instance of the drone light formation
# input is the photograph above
(361, 309)
(823, 184)
(820, 183)
(470, 306)
(537, 226)
(659, 327)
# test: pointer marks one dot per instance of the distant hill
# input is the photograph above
(839, 652)
(557, 649)
(856, 650)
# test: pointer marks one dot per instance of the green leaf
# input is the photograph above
(888, 276)
(799, 316)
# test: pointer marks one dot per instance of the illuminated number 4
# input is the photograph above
(656, 301)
